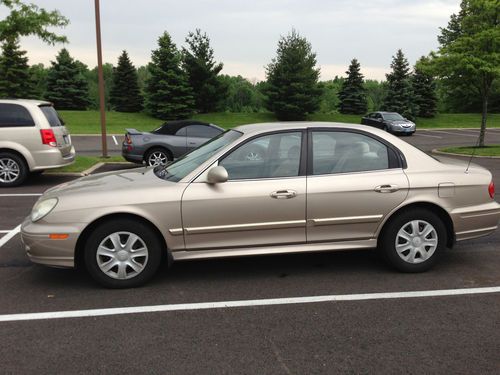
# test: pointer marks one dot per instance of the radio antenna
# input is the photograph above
(473, 152)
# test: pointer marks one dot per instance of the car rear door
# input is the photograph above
(354, 181)
(262, 203)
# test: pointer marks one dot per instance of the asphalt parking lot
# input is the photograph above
(372, 330)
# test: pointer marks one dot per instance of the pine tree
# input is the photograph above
(424, 90)
(67, 87)
(399, 91)
(125, 95)
(352, 95)
(168, 95)
(292, 79)
(15, 79)
(202, 69)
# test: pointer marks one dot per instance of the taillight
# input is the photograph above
(48, 137)
(491, 189)
(128, 139)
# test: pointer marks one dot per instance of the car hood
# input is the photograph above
(109, 182)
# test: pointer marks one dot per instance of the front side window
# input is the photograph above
(202, 131)
(344, 152)
(268, 156)
(14, 115)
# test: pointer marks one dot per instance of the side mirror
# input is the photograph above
(217, 175)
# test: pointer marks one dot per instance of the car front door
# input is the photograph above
(262, 203)
(354, 181)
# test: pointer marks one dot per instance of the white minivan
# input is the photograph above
(33, 138)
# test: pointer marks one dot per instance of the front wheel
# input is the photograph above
(123, 254)
(414, 240)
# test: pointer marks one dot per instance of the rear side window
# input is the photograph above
(202, 131)
(14, 115)
(51, 115)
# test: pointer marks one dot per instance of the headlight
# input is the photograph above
(42, 208)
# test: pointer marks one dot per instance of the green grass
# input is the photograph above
(83, 163)
(87, 122)
(492, 150)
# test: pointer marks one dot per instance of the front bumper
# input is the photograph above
(41, 249)
(401, 130)
(475, 221)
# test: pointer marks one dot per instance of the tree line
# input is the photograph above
(460, 77)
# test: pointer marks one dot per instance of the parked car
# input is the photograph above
(33, 138)
(170, 141)
(314, 187)
(391, 122)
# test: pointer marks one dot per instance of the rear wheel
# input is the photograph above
(158, 156)
(13, 169)
(414, 240)
(123, 254)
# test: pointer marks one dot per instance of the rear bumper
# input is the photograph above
(52, 158)
(43, 250)
(133, 158)
(475, 221)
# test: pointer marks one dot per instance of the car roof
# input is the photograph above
(25, 101)
(296, 125)
(171, 127)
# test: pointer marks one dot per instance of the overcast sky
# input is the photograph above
(244, 34)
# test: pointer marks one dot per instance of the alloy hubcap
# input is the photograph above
(157, 158)
(9, 170)
(416, 241)
(122, 255)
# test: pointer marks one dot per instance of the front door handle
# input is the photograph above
(386, 188)
(283, 194)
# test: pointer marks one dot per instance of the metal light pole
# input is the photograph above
(101, 80)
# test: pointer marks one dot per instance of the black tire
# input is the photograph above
(389, 236)
(20, 168)
(386, 129)
(166, 154)
(144, 232)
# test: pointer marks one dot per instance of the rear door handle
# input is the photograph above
(283, 194)
(386, 188)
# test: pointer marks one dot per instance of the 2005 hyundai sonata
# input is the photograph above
(265, 189)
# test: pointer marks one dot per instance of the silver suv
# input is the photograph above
(32, 138)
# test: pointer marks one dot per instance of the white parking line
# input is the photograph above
(22, 195)
(114, 139)
(9, 235)
(244, 303)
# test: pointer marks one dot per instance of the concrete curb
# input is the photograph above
(437, 152)
(87, 171)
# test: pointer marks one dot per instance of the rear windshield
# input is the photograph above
(51, 115)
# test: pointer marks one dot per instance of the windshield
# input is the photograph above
(393, 116)
(182, 167)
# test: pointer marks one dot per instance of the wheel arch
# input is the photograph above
(19, 151)
(157, 146)
(82, 239)
(433, 207)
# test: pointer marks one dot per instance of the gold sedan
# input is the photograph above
(265, 189)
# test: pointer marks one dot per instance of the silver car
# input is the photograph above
(33, 138)
(170, 141)
(307, 187)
